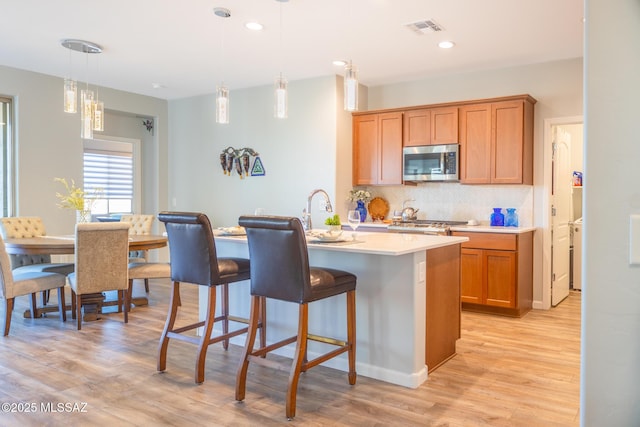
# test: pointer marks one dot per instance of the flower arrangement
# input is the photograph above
(359, 195)
(75, 198)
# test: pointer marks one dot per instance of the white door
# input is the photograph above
(560, 215)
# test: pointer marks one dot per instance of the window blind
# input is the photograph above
(111, 172)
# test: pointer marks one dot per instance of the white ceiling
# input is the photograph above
(185, 48)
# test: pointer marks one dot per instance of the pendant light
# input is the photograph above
(87, 102)
(222, 93)
(70, 94)
(350, 81)
(350, 87)
(98, 107)
(280, 106)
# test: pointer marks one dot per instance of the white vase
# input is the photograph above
(83, 216)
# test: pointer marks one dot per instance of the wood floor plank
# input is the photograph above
(508, 372)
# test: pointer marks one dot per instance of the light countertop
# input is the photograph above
(373, 243)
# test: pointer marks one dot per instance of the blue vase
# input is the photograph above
(511, 218)
(497, 217)
(363, 211)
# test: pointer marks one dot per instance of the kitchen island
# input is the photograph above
(407, 302)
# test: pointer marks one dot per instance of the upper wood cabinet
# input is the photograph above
(431, 126)
(377, 149)
(496, 142)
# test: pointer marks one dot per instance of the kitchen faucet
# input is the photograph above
(306, 213)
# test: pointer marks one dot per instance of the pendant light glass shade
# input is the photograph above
(281, 107)
(98, 116)
(70, 96)
(222, 104)
(86, 114)
(350, 87)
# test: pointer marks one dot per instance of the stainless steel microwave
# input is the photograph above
(430, 163)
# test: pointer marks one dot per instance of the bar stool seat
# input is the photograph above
(193, 259)
(280, 270)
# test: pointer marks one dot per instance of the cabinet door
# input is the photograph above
(500, 268)
(444, 125)
(390, 149)
(417, 128)
(471, 277)
(475, 144)
(365, 149)
(507, 150)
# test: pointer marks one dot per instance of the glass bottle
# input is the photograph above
(497, 217)
(511, 219)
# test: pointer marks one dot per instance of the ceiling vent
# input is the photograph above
(424, 27)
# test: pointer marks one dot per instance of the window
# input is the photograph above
(109, 172)
(6, 172)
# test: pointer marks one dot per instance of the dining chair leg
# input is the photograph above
(34, 306)
(263, 324)
(298, 361)
(224, 294)
(241, 375)
(206, 335)
(79, 310)
(73, 304)
(8, 308)
(146, 285)
(351, 335)
(45, 297)
(127, 305)
(168, 327)
(61, 304)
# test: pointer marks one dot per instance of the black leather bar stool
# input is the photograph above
(280, 270)
(194, 260)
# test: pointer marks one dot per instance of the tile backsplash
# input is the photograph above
(454, 201)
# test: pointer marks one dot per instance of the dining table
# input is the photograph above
(65, 245)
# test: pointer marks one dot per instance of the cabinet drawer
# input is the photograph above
(499, 241)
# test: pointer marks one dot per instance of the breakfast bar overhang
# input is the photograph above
(407, 302)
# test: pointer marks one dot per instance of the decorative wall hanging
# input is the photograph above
(149, 125)
(239, 157)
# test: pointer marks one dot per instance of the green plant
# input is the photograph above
(332, 220)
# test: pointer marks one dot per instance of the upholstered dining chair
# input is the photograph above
(280, 270)
(140, 224)
(16, 284)
(101, 255)
(194, 260)
(22, 227)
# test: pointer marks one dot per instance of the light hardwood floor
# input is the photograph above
(508, 372)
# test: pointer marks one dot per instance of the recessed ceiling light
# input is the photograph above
(446, 44)
(339, 62)
(254, 26)
(156, 85)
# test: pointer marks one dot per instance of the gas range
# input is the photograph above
(424, 226)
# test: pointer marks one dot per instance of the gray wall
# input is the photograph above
(611, 294)
(48, 144)
(310, 149)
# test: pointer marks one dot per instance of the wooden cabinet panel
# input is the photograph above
(496, 142)
(444, 125)
(377, 149)
(431, 126)
(475, 144)
(417, 128)
(390, 149)
(365, 151)
(507, 151)
(497, 280)
(471, 279)
(442, 305)
(498, 241)
(501, 278)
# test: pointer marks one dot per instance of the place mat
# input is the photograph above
(378, 208)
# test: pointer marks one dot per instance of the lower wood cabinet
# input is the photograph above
(496, 273)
